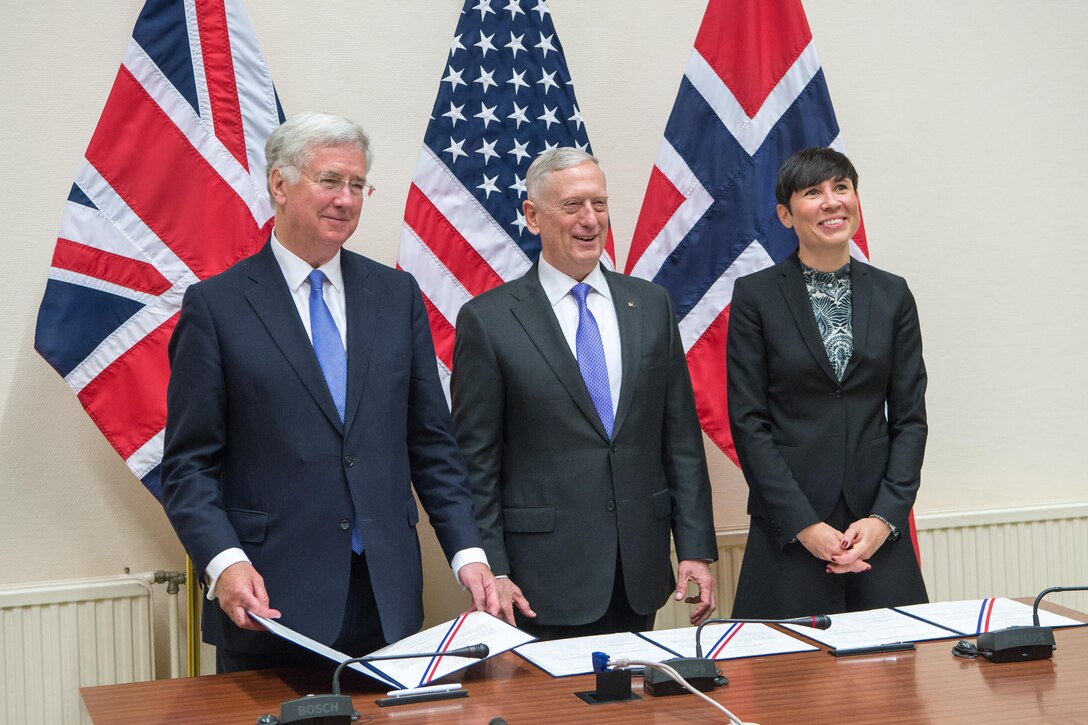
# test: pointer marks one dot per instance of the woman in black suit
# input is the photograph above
(827, 408)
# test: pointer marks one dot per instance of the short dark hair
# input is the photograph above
(809, 167)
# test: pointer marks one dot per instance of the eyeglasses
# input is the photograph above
(333, 182)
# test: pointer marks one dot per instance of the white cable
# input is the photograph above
(624, 662)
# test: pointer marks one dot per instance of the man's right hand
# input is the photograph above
(510, 596)
(239, 588)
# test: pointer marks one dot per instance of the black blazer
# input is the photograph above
(256, 455)
(802, 437)
(554, 495)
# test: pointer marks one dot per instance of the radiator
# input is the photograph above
(968, 555)
(56, 637)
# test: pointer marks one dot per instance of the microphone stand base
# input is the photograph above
(701, 673)
(1017, 644)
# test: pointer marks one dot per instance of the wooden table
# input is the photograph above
(928, 685)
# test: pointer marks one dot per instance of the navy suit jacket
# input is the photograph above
(256, 455)
(557, 500)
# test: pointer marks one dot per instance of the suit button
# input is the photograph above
(611, 506)
(349, 461)
(345, 525)
(838, 394)
(615, 447)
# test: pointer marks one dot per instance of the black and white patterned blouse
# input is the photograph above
(832, 304)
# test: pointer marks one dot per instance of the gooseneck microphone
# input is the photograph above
(473, 651)
(816, 621)
(702, 674)
(1016, 644)
(1035, 606)
(336, 709)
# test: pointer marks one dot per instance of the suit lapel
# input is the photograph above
(363, 309)
(629, 316)
(533, 311)
(271, 301)
(861, 290)
(792, 286)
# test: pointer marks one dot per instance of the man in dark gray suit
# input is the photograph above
(573, 406)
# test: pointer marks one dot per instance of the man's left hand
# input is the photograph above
(480, 582)
(693, 570)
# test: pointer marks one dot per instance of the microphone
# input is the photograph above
(1035, 606)
(336, 709)
(816, 621)
(702, 673)
(473, 651)
(1020, 644)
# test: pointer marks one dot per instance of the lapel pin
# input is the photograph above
(631, 304)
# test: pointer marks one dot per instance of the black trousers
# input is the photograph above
(360, 633)
(619, 617)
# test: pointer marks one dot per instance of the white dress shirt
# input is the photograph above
(557, 286)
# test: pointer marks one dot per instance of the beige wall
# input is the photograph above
(965, 120)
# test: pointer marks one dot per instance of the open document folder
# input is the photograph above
(467, 629)
(565, 657)
(919, 622)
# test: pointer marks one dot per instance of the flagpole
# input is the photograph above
(192, 621)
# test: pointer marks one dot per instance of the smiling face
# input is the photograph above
(311, 221)
(571, 217)
(825, 217)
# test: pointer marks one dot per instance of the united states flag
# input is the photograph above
(752, 94)
(172, 190)
(505, 96)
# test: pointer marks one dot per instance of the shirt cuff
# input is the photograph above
(218, 565)
(472, 555)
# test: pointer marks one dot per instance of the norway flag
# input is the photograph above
(752, 94)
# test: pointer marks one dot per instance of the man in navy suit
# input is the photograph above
(303, 406)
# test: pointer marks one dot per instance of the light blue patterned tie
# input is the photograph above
(327, 343)
(591, 360)
(332, 359)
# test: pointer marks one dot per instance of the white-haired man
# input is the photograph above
(303, 405)
(574, 409)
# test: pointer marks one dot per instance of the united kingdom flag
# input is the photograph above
(505, 96)
(172, 190)
(752, 94)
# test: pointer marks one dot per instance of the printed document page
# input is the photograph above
(574, 656)
(314, 646)
(850, 630)
(467, 629)
(974, 616)
(729, 641)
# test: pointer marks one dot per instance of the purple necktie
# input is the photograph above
(591, 360)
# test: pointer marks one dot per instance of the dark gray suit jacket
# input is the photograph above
(256, 455)
(554, 496)
(803, 438)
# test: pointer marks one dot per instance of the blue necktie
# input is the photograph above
(332, 359)
(327, 343)
(591, 360)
